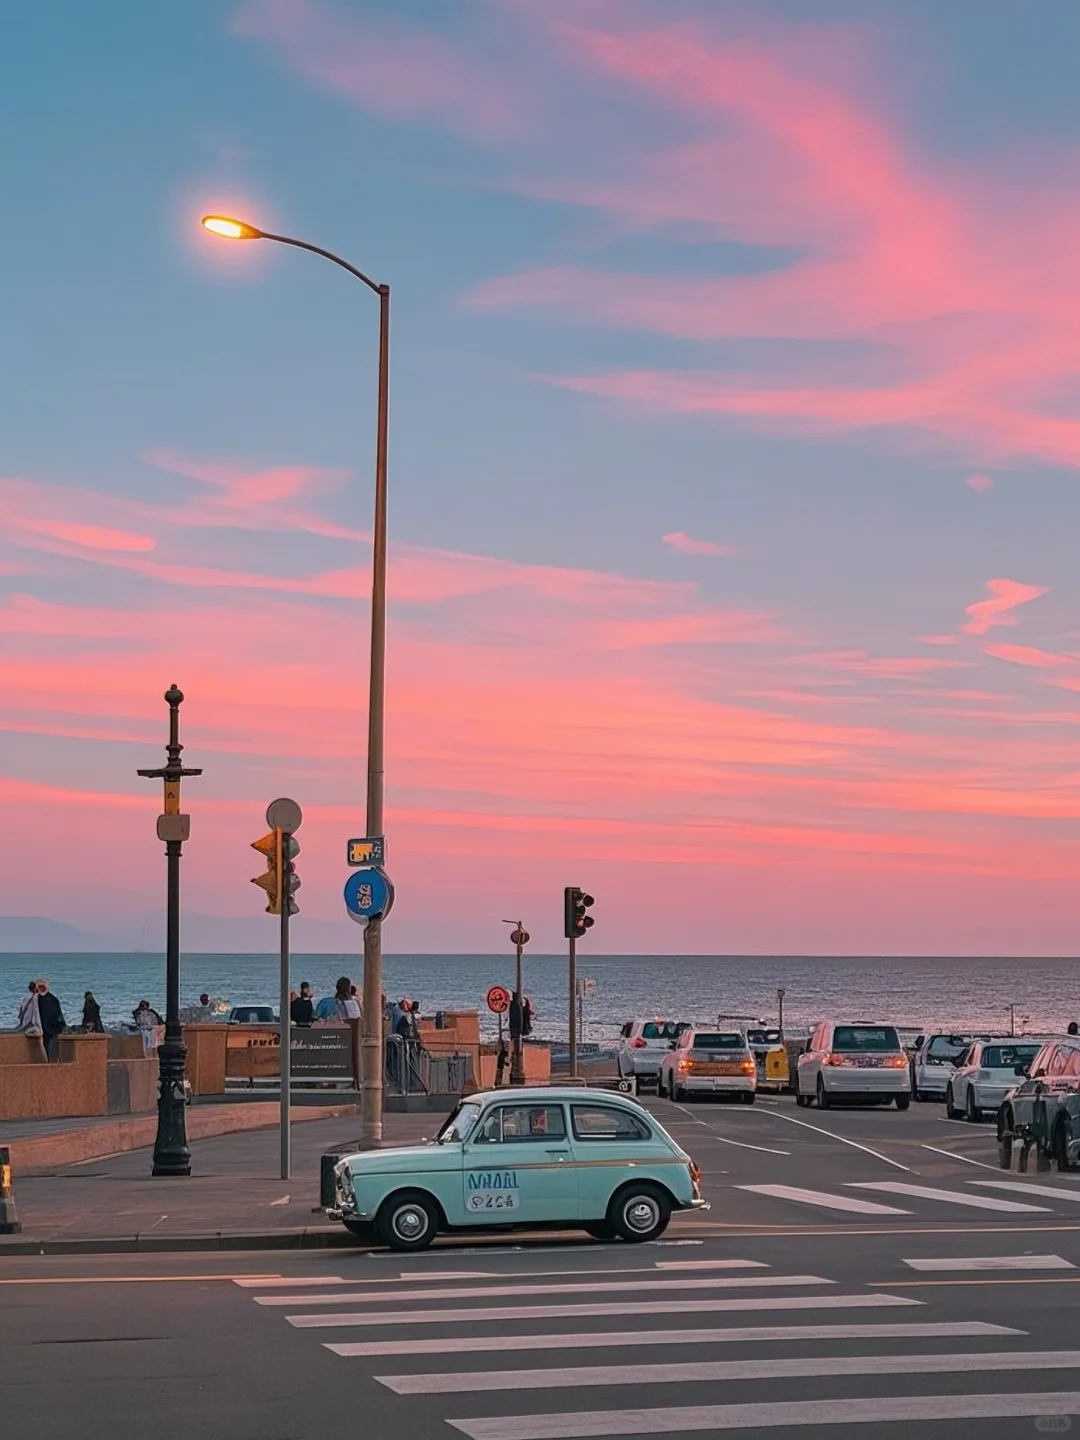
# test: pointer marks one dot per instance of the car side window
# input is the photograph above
(516, 1123)
(605, 1122)
(1057, 1063)
(1072, 1064)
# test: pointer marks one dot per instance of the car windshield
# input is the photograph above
(663, 1029)
(1007, 1057)
(720, 1040)
(943, 1048)
(458, 1123)
(763, 1037)
(865, 1037)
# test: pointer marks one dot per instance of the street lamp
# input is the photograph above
(372, 1050)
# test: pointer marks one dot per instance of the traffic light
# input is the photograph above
(270, 846)
(290, 848)
(576, 923)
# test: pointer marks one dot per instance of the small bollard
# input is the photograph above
(9, 1220)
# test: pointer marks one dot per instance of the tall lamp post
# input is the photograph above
(371, 1103)
(171, 1153)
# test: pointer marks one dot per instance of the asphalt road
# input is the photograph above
(774, 1312)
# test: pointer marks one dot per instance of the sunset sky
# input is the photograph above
(734, 464)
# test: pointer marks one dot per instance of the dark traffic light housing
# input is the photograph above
(576, 923)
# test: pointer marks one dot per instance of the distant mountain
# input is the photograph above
(34, 935)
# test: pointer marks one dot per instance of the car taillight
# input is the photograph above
(897, 1062)
(747, 1067)
(835, 1058)
(638, 1043)
(695, 1177)
(685, 1065)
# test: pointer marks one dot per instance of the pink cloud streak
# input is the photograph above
(686, 545)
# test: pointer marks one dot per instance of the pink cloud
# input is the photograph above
(92, 537)
(686, 545)
(1006, 596)
(390, 68)
(979, 483)
(1029, 655)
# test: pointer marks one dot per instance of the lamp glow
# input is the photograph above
(229, 228)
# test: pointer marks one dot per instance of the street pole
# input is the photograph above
(573, 1009)
(781, 992)
(519, 938)
(371, 1099)
(286, 1037)
(171, 1153)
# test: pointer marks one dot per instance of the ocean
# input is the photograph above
(953, 993)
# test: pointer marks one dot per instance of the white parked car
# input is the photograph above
(853, 1061)
(644, 1043)
(987, 1073)
(934, 1061)
(709, 1062)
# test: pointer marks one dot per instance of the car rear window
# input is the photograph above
(720, 1040)
(866, 1037)
(604, 1122)
(663, 1029)
(763, 1037)
(947, 1047)
(1007, 1057)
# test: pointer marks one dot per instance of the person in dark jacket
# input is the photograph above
(91, 1015)
(302, 1009)
(53, 1023)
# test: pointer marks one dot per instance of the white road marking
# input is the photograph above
(456, 1382)
(783, 1115)
(995, 1262)
(966, 1159)
(621, 1339)
(823, 1199)
(283, 1201)
(705, 1265)
(654, 1286)
(947, 1197)
(1027, 1187)
(507, 1313)
(757, 1415)
(741, 1144)
(279, 1282)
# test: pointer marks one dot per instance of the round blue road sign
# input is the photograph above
(369, 895)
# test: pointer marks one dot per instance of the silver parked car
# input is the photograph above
(854, 1061)
(643, 1045)
(934, 1060)
(1035, 1112)
(986, 1073)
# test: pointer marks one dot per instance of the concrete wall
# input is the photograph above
(19, 1049)
(131, 1086)
(75, 1085)
(206, 1058)
(536, 1060)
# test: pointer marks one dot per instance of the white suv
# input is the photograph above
(709, 1062)
(643, 1045)
(853, 1061)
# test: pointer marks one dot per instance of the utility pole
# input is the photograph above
(171, 1153)
(781, 992)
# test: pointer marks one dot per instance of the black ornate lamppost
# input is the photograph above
(171, 1153)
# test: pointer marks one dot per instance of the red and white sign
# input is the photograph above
(498, 1000)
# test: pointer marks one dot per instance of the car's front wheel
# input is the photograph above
(951, 1112)
(639, 1212)
(408, 1220)
(1063, 1137)
(1005, 1141)
(822, 1094)
(971, 1110)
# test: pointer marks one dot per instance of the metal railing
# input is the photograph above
(412, 1070)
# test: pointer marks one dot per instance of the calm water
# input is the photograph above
(960, 993)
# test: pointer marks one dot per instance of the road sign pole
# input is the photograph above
(573, 1009)
(286, 1044)
(517, 1057)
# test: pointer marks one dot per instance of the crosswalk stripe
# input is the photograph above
(275, 1282)
(948, 1197)
(758, 1415)
(823, 1199)
(562, 1312)
(732, 1334)
(697, 1265)
(1027, 1187)
(787, 1367)
(590, 1287)
(994, 1262)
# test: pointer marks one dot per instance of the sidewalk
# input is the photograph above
(231, 1200)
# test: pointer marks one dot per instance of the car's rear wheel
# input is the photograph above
(903, 1101)
(748, 1097)
(408, 1220)
(639, 1212)
(1063, 1137)
(951, 1112)
(823, 1098)
(600, 1229)
(971, 1110)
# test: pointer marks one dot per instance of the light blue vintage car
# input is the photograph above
(554, 1156)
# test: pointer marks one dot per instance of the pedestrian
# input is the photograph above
(302, 1011)
(53, 1023)
(145, 1016)
(29, 1021)
(91, 1015)
(1074, 1028)
(348, 1007)
(527, 1016)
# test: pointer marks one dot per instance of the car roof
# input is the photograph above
(532, 1094)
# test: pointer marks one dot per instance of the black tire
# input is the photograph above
(971, 1110)
(600, 1229)
(362, 1229)
(801, 1100)
(678, 1094)
(1005, 1144)
(748, 1097)
(951, 1112)
(408, 1220)
(639, 1212)
(1062, 1137)
(823, 1099)
(903, 1101)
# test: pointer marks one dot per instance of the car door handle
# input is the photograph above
(562, 1154)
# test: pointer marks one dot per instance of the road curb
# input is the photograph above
(321, 1238)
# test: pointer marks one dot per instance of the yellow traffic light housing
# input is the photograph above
(270, 846)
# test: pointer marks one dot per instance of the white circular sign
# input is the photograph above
(284, 815)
